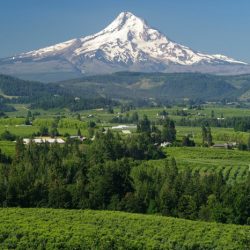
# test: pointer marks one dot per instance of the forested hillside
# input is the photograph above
(45, 96)
(171, 87)
(138, 88)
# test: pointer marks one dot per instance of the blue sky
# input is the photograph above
(212, 26)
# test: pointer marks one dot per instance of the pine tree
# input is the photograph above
(79, 132)
(204, 134)
(169, 131)
(209, 137)
(144, 125)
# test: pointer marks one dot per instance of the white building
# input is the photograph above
(40, 140)
(124, 127)
(166, 144)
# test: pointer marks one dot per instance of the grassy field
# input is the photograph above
(75, 229)
(7, 147)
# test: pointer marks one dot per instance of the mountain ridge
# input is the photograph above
(126, 44)
(162, 87)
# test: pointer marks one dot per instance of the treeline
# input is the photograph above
(67, 176)
(238, 123)
(15, 87)
(72, 103)
(111, 173)
(190, 195)
(127, 118)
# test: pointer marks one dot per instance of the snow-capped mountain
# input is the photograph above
(128, 43)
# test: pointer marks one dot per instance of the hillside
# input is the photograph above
(161, 86)
(44, 95)
(79, 229)
(140, 88)
(14, 87)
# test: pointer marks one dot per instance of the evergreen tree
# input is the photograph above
(204, 134)
(209, 137)
(144, 125)
(212, 114)
(168, 131)
(135, 117)
(79, 133)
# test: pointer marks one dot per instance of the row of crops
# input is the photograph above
(76, 229)
(233, 164)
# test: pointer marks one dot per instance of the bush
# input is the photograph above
(7, 136)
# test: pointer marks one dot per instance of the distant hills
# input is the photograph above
(162, 86)
(127, 44)
(131, 86)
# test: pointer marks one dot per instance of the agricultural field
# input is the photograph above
(102, 114)
(86, 229)
(234, 164)
(220, 135)
(7, 147)
(152, 112)
(70, 124)
(143, 192)
(17, 127)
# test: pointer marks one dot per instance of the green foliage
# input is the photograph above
(234, 164)
(207, 139)
(67, 176)
(168, 131)
(7, 136)
(44, 131)
(127, 118)
(108, 174)
(71, 123)
(186, 142)
(144, 125)
(46, 122)
(75, 229)
(12, 121)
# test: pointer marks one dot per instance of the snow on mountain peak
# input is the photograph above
(125, 19)
(128, 40)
